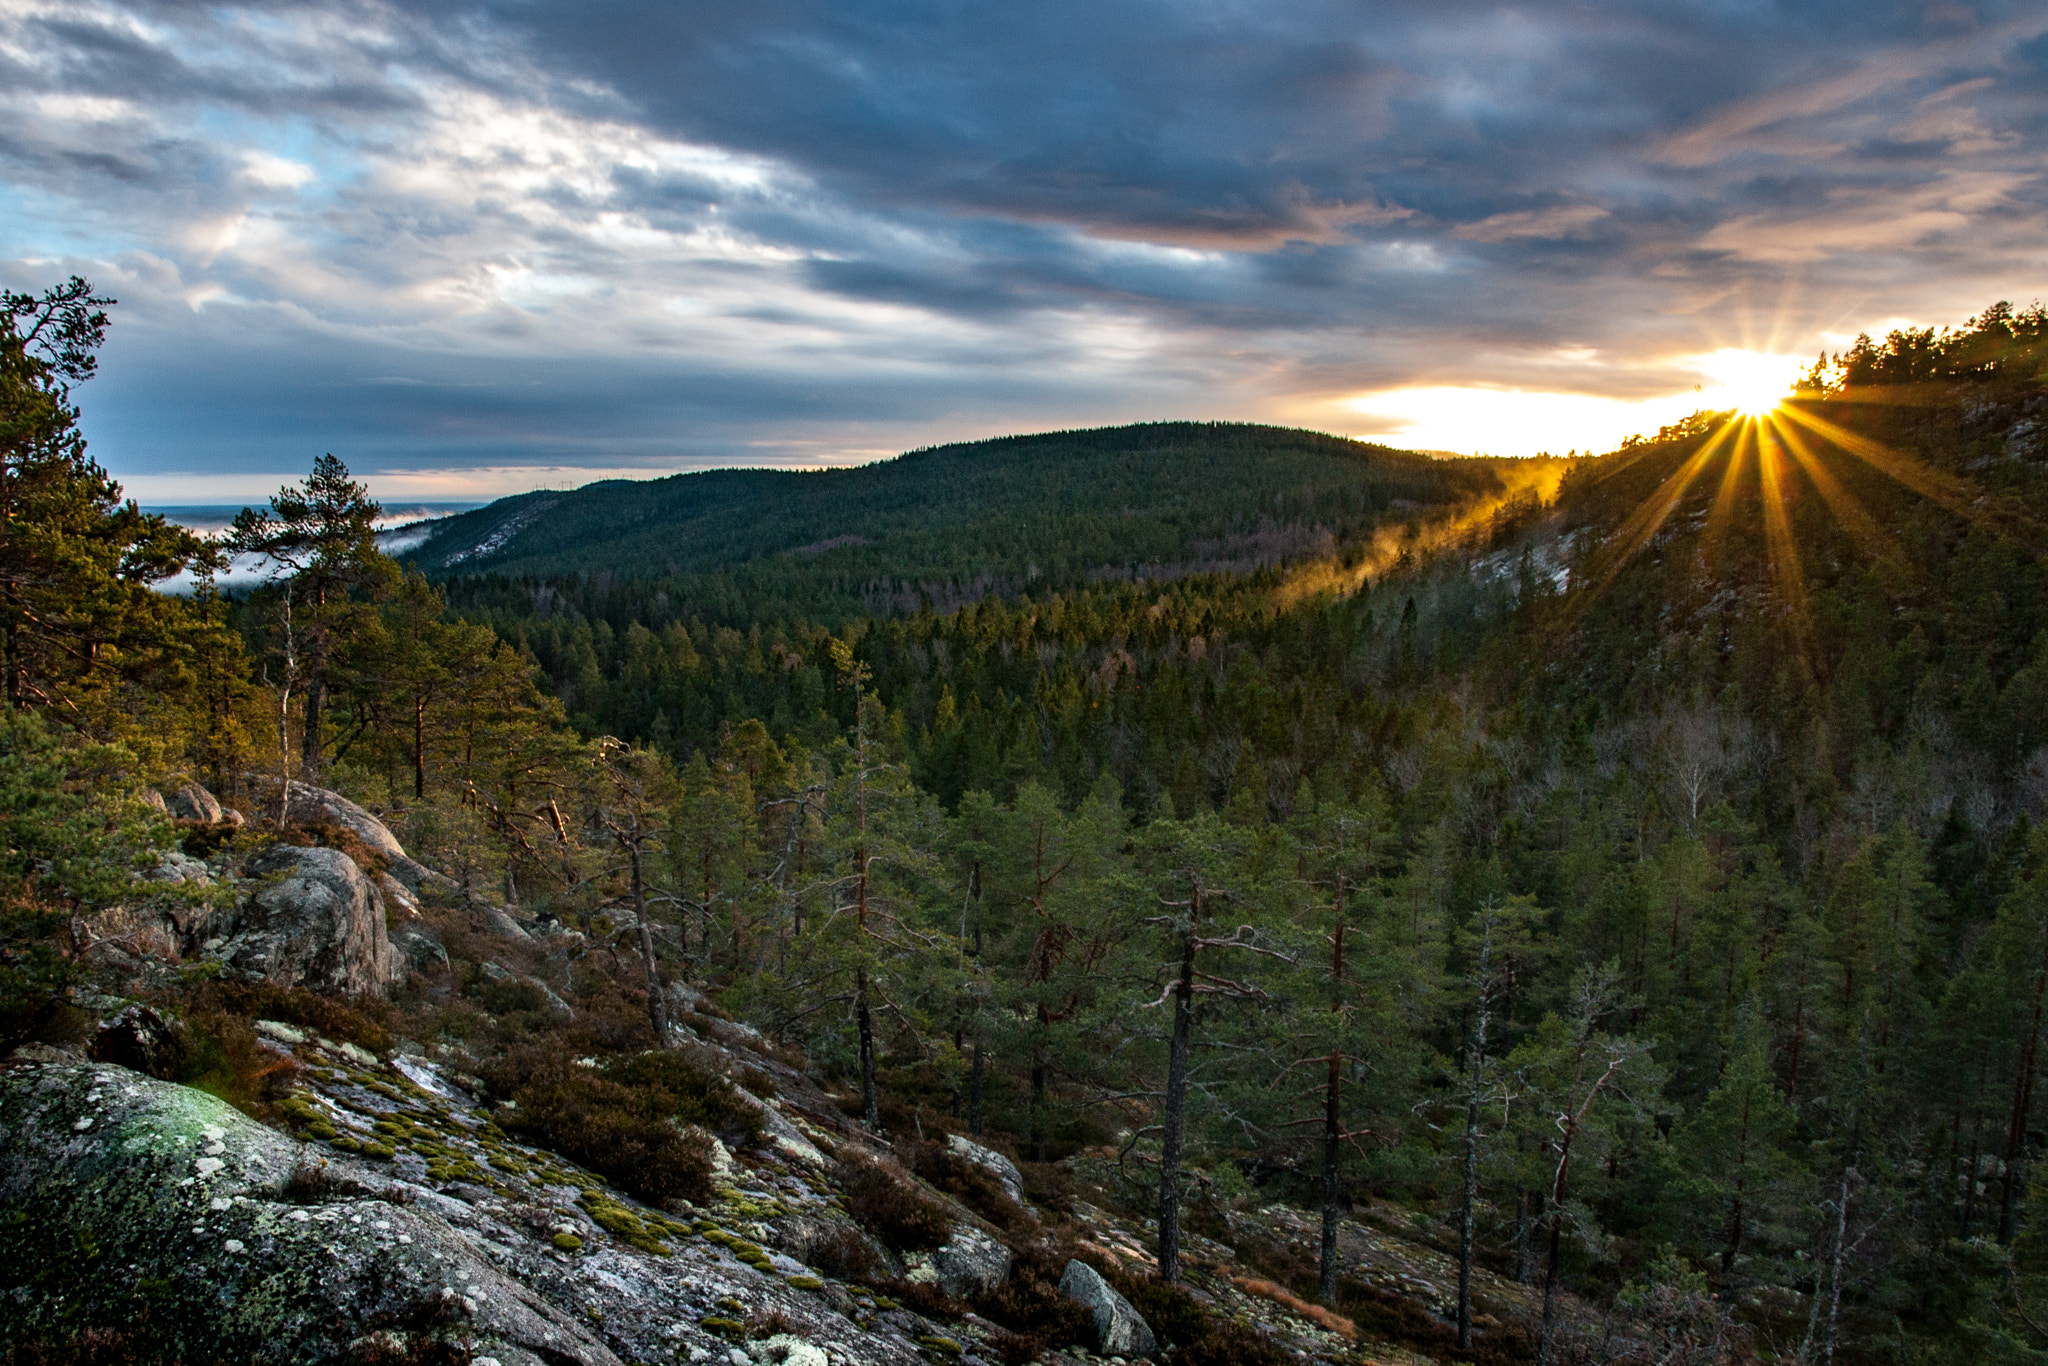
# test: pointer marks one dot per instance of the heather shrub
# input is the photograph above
(889, 1205)
(969, 1182)
(1028, 1306)
(627, 1128)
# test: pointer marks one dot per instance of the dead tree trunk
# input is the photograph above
(1176, 1102)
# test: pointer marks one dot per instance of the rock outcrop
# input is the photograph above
(138, 1205)
(1120, 1331)
(312, 920)
(970, 1263)
(317, 806)
(191, 802)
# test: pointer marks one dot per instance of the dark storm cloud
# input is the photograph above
(635, 232)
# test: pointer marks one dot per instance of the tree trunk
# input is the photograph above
(419, 747)
(1038, 1080)
(2022, 1104)
(1176, 1108)
(1735, 1208)
(309, 732)
(1475, 1075)
(657, 1001)
(1543, 1344)
(1835, 1273)
(1467, 1220)
(1333, 1126)
(870, 1110)
(1555, 1211)
(974, 1094)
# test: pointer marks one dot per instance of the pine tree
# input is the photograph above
(317, 544)
(79, 620)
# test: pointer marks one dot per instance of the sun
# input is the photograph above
(1753, 383)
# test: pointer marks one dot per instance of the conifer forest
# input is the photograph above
(1624, 873)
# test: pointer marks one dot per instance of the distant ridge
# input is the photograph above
(1155, 499)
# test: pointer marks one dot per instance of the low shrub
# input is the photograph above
(328, 835)
(1400, 1319)
(1176, 1318)
(315, 1183)
(99, 1347)
(702, 1097)
(355, 1022)
(217, 1052)
(925, 1298)
(889, 1205)
(1028, 1307)
(1049, 1187)
(1227, 1343)
(967, 1181)
(625, 1128)
(844, 1255)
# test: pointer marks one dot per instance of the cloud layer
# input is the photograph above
(472, 247)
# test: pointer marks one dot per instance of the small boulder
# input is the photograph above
(317, 806)
(311, 805)
(419, 947)
(175, 866)
(190, 802)
(313, 920)
(970, 1263)
(1118, 1329)
(137, 1038)
(1000, 1167)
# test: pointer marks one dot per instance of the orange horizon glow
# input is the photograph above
(1497, 420)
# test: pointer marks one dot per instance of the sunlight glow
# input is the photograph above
(1751, 382)
(1506, 421)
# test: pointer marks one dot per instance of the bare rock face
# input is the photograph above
(1120, 1331)
(313, 919)
(160, 1212)
(971, 1263)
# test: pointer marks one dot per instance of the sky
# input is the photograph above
(476, 248)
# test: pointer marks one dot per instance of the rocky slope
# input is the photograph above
(389, 1215)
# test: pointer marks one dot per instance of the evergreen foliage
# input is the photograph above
(1645, 890)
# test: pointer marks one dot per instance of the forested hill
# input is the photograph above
(1654, 871)
(952, 523)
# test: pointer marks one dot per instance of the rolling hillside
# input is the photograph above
(951, 523)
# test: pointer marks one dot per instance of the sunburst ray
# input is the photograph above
(1932, 484)
(1650, 516)
(1788, 575)
(1850, 512)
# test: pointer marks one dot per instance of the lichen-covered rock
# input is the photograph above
(134, 1205)
(1000, 1167)
(151, 1211)
(970, 1263)
(1119, 1330)
(311, 920)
